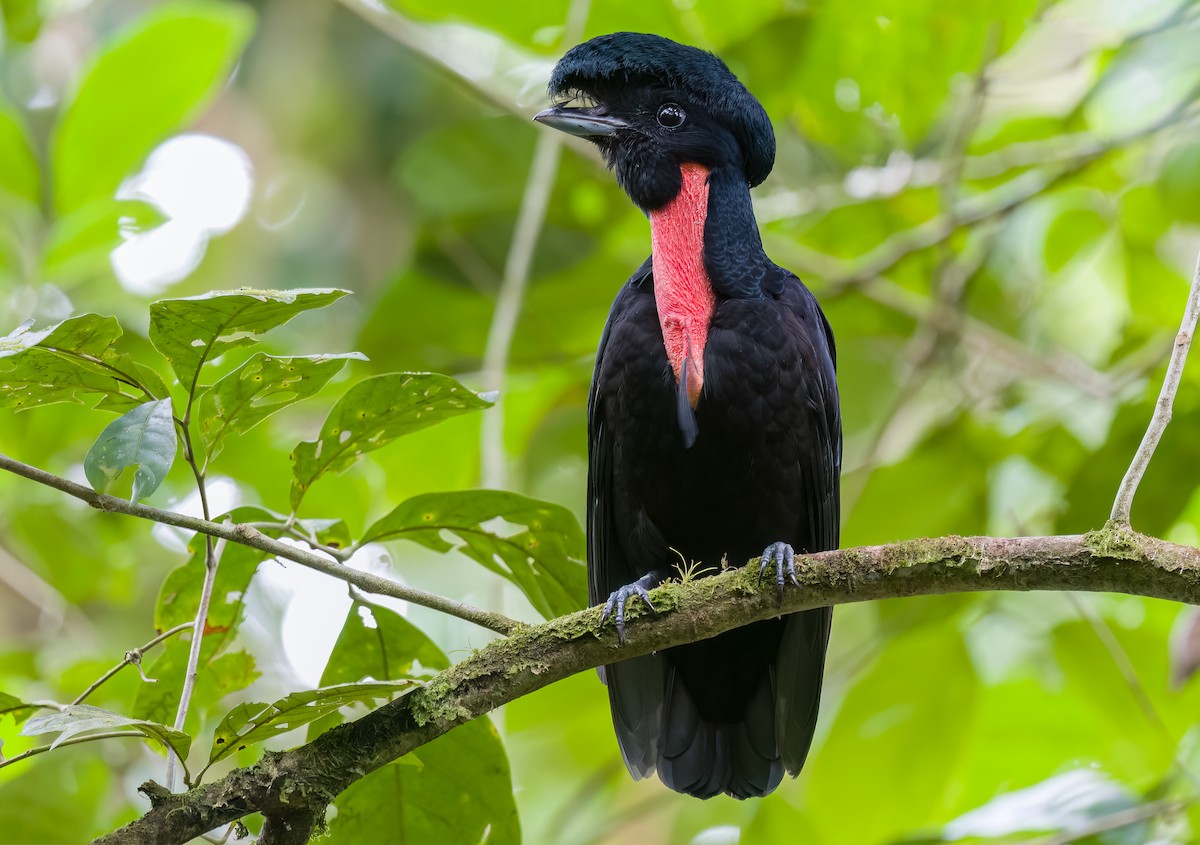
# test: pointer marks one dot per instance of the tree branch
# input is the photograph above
(308, 778)
(249, 536)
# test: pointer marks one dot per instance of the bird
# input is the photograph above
(714, 427)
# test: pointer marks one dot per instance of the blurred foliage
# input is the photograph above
(997, 205)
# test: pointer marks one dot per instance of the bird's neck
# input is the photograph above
(683, 291)
(705, 242)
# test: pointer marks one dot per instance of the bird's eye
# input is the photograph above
(671, 116)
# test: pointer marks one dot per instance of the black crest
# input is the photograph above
(623, 59)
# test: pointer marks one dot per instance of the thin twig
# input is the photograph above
(530, 218)
(841, 275)
(248, 536)
(212, 559)
(132, 657)
(75, 740)
(1162, 409)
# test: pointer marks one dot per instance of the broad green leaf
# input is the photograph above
(179, 598)
(22, 21)
(19, 176)
(922, 685)
(377, 642)
(465, 769)
(1071, 235)
(460, 795)
(144, 437)
(196, 329)
(32, 803)
(1179, 183)
(252, 723)
(373, 413)
(147, 377)
(260, 387)
(87, 334)
(545, 560)
(146, 82)
(80, 243)
(64, 363)
(75, 719)
(10, 705)
(219, 675)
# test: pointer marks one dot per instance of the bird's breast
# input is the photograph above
(683, 291)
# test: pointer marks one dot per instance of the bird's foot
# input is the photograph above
(782, 558)
(615, 606)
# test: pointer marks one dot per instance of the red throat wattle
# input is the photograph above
(682, 290)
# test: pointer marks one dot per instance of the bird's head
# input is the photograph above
(652, 105)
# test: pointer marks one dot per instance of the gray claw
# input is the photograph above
(782, 558)
(615, 606)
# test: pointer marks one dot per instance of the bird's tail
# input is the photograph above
(704, 758)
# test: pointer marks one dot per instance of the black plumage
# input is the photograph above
(749, 460)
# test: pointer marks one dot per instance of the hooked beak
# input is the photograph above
(583, 122)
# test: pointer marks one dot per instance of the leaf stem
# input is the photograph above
(133, 656)
(75, 740)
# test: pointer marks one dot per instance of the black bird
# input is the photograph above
(713, 423)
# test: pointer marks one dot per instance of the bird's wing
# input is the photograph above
(801, 662)
(607, 568)
(635, 687)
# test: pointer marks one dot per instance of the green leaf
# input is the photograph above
(260, 387)
(10, 705)
(146, 82)
(1179, 182)
(922, 685)
(32, 804)
(20, 176)
(179, 598)
(22, 21)
(196, 329)
(461, 795)
(144, 437)
(466, 769)
(80, 243)
(1071, 234)
(373, 413)
(545, 560)
(63, 363)
(379, 643)
(75, 719)
(218, 676)
(253, 722)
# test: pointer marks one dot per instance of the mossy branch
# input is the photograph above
(298, 784)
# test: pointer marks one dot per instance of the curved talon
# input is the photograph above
(615, 606)
(782, 558)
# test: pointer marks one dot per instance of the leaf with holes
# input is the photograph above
(545, 560)
(253, 722)
(372, 414)
(66, 362)
(75, 719)
(144, 437)
(259, 388)
(196, 329)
